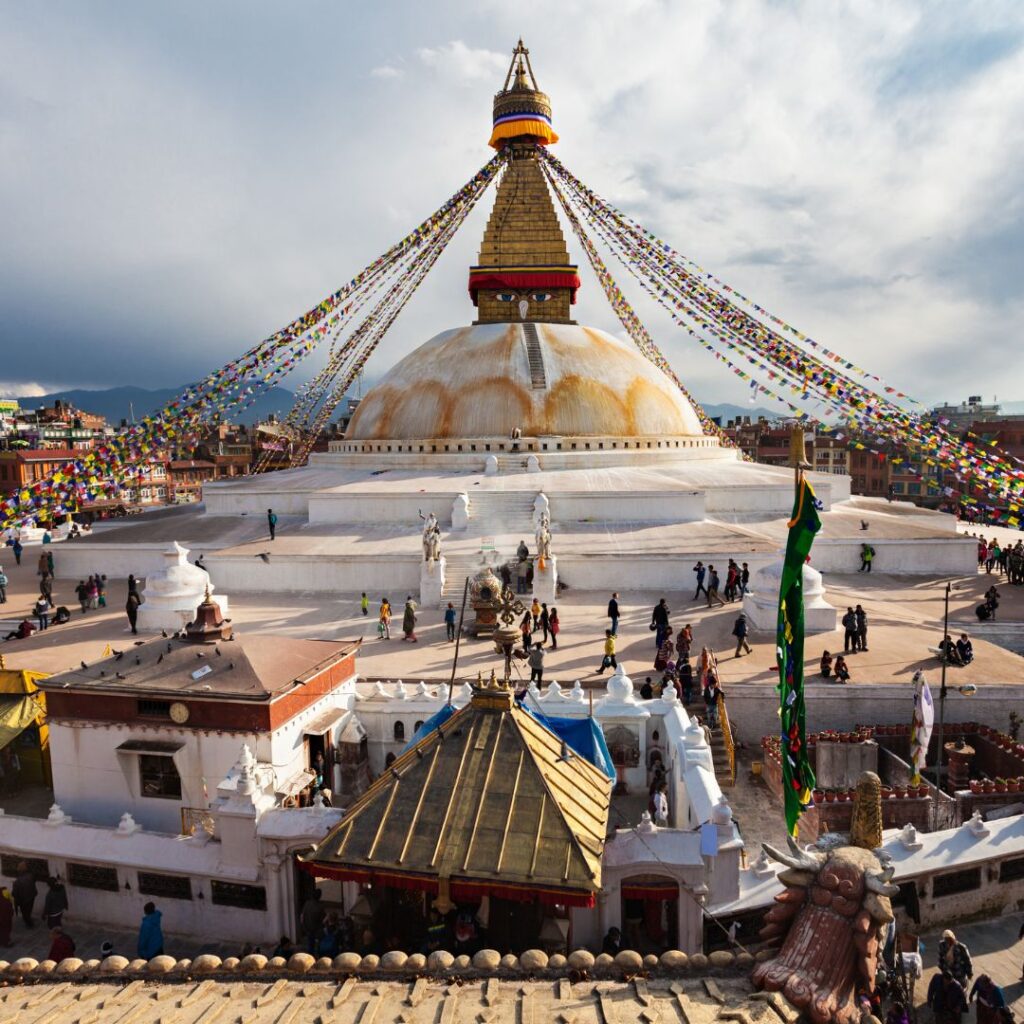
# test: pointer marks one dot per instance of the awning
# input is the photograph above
(296, 784)
(16, 715)
(154, 747)
(324, 722)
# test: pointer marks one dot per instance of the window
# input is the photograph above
(399, 732)
(9, 866)
(231, 894)
(89, 876)
(172, 887)
(955, 882)
(1009, 871)
(158, 777)
(154, 709)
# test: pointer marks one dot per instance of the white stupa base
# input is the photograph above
(156, 614)
(761, 602)
(545, 581)
(432, 583)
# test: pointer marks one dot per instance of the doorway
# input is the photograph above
(650, 913)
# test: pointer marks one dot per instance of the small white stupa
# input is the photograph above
(761, 602)
(171, 596)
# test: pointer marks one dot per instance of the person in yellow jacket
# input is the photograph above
(609, 652)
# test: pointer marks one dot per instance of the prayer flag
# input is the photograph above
(797, 774)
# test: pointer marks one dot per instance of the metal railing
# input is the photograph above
(730, 748)
(196, 817)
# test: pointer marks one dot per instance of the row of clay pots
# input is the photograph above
(994, 786)
(486, 961)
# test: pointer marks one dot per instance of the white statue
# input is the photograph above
(431, 537)
(544, 536)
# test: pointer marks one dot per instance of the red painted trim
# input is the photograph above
(494, 280)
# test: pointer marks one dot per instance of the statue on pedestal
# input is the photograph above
(544, 537)
(431, 538)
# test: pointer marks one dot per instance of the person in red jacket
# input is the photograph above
(62, 945)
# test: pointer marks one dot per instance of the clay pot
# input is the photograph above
(901, 792)
(830, 796)
(975, 785)
(886, 792)
(988, 786)
(819, 796)
(1012, 786)
(1000, 787)
(851, 792)
(842, 796)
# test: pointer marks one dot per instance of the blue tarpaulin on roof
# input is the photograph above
(583, 735)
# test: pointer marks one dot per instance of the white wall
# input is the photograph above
(342, 574)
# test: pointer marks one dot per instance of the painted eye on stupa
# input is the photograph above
(507, 296)
(541, 296)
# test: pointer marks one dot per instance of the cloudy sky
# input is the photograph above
(178, 180)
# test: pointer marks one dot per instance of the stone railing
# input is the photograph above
(395, 965)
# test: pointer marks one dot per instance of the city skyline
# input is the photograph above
(170, 198)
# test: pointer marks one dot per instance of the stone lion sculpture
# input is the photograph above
(832, 917)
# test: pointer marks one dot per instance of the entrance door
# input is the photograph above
(650, 913)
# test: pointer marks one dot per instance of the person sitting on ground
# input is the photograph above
(841, 671)
(647, 690)
(826, 665)
(62, 946)
(25, 630)
(948, 652)
(965, 649)
(612, 943)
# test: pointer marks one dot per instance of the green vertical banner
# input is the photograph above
(797, 774)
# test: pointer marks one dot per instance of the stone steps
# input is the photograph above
(535, 357)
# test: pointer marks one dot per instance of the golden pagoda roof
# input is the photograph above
(491, 801)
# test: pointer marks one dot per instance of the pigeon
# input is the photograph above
(265, 555)
(118, 655)
(168, 648)
(161, 658)
(84, 665)
(231, 664)
(217, 651)
(121, 675)
(102, 673)
(163, 633)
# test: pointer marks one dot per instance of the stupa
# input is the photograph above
(523, 409)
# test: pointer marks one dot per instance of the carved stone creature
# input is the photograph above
(833, 916)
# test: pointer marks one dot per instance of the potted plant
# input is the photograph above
(975, 785)
(886, 792)
(819, 796)
(1000, 785)
(922, 790)
(830, 796)
(901, 792)
(1012, 786)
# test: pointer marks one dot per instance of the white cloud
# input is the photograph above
(386, 71)
(465, 64)
(21, 389)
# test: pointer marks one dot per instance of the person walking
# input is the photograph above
(545, 621)
(713, 583)
(955, 957)
(449, 621)
(862, 628)
(55, 903)
(46, 588)
(82, 593)
(384, 619)
(991, 1001)
(536, 661)
(92, 592)
(271, 522)
(711, 692)
(609, 652)
(526, 629)
(6, 916)
(24, 893)
(133, 584)
(613, 613)
(42, 609)
(151, 933)
(535, 614)
(659, 622)
(409, 620)
(661, 806)
(744, 579)
(364, 604)
(739, 630)
(946, 998)
(685, 672)
(131, 607)
(101, 591)
(17, 548)
(43, 566)
(849, 621)
(49, 564)
(663, 657)
(3, 586)
(867, 553)
(554, 626)
(700, 572)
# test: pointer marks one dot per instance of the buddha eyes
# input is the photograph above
(507, 297)
(541, 296)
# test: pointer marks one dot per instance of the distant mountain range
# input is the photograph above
(122, 403)
(726, 411)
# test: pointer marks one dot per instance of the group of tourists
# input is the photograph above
(737, 582)
(1003, 559)
(92, 593)
(384, 615)
(948, 996)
